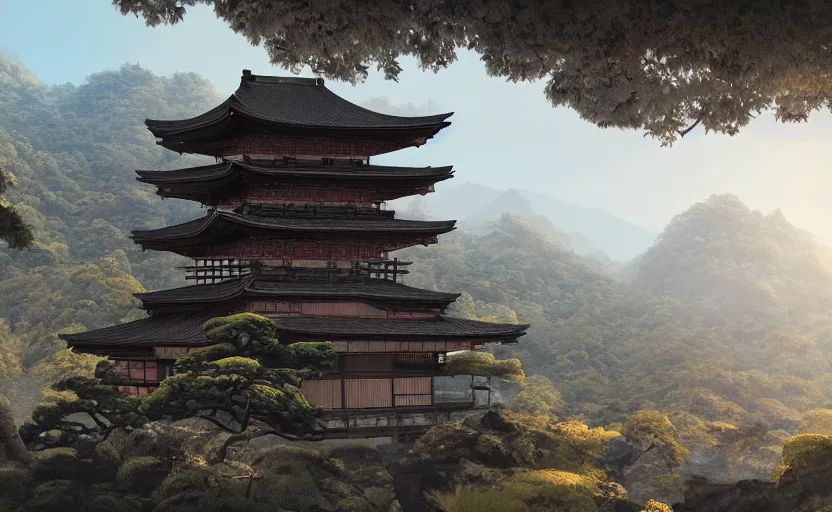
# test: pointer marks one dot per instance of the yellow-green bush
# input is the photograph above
(484, 364)
(476, 499)
(528, 491)
(656, 506)
(805, 452)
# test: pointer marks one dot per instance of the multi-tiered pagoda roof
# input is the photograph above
(222, 182)
(297, 230)
(186, 330)
(196, 237)
(381, 293)
(302, 108)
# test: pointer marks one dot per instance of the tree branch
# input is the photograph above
(694, 125)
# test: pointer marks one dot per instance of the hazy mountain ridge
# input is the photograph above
(588, 229)
(612, 348)
(759, 359)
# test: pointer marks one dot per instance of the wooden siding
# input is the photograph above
(366, 362)
(175, 352)
(275, 248)
(328, 309)
(368, 393)
(351, 196)
(323, 393)
(313, 147)
(413, 391)
(349, 347)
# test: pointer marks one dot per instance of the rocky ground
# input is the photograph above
(190, 466)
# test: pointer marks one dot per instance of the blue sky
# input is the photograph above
(504, 135)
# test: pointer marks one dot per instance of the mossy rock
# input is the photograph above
(370, 476)
(7, 505)
(446, 443)
(105, 498)
(62, 464)
(489, 449)
(183, 480)
(216, 479)
(15, 484)
(354, 504)
(295, 491)
(284, 454)
(197, 502)
(56, 496)
(356, 456)
(379, 497)
(338, 488)
(106, 454)
(141, 474)
(472, 473)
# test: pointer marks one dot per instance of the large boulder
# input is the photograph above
(11, 446)
(16, 483)
(106, 498)
(745, 496)
(194, 502)
(354, 504)
(141, 474)
(446, 443)
(62, 464)
(216, 480)
(56, 496)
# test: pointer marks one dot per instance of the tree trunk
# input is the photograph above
(10, 443)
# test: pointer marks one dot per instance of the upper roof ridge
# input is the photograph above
(267, 79)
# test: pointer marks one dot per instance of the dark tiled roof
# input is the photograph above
(186, 330)
(166, 330)
(253, 286)
(295, 169)
(292, 101)
(190, 228)
(197, 293)
(437, 327)
(382, 225)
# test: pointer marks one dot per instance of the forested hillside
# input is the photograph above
(725, 325)
(72, 151)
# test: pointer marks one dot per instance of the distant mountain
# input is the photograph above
(589, 229)
(737, 266)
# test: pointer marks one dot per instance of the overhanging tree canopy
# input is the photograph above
(660, 66)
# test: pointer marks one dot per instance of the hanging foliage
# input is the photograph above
(662, 67)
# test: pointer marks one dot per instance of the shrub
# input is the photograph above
(805, 452)
(656, 506)
(196, 360)
(484, 364)
(476, 499)
(141, 474)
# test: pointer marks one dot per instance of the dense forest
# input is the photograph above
(723, 325)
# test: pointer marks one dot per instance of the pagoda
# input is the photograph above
(296, 229)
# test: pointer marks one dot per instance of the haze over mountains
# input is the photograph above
(584, 230)
(725, 325)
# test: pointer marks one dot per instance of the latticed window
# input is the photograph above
(208, 271)
(137, 371)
